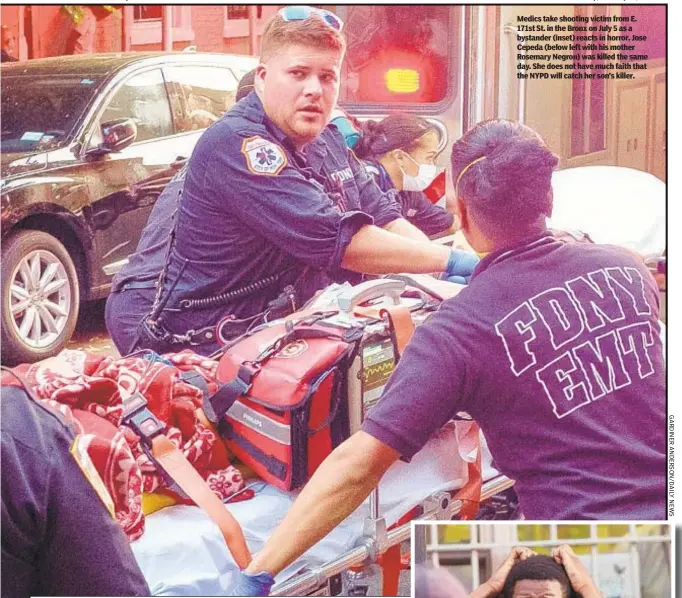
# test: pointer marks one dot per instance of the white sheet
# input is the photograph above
(182, 552)
(612, 204)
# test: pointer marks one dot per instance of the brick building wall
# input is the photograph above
(47, 28)
(208, 26)
(109, 34)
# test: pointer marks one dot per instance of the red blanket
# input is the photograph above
(89, 389)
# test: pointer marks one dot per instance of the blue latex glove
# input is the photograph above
(459, 279)
(460, 266)
(251, 584)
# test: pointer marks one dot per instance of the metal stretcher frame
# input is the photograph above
(377, 540)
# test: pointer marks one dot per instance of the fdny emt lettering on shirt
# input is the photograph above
(579, 373)
(554, 349)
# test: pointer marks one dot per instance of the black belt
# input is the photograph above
(135, 284)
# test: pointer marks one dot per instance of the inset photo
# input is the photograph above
(548, 560)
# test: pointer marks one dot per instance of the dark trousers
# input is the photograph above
(124, 313)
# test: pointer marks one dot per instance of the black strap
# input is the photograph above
(300, 330)
(195, 379)
(135, 284)
(219, 403)
(272, 464)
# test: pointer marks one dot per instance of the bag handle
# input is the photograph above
(401, 328)
(334, 408)
(370, 290)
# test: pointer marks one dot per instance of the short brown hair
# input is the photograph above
(313, 32)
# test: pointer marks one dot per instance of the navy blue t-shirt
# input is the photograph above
(555, 350)
(254, 207)
(431, 219)
(58, 539)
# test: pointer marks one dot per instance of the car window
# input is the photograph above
(40, 112)
(199, 95)
(143, 98)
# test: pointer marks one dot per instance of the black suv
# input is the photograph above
(88, 143)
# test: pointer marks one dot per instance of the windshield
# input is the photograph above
(40, 113)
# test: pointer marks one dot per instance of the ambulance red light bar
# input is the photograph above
(399, 80)
(395, 76)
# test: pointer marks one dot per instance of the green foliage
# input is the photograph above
(77, 12)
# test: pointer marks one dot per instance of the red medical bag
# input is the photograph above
(287, 409)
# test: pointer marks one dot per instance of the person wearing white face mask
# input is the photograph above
(400, 151)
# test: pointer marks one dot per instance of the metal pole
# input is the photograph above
(419, 555)
(127, 28)
(435, 555)
(309, 580)
(22, 45)
(475, 569)
(374, 504)
(634, 563)
(593, 554)
(253, 30)
(167, 28)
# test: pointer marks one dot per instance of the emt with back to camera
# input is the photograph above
(274, 208)
(553, 349)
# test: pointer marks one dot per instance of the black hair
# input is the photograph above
(398, 131)
(509, 190)
(538, 567)
(245, 86)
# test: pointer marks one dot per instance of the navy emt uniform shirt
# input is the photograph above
(255, 207)
(58, 538)
(431, 219)
(555, 350)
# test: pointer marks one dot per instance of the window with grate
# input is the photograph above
(147, 12)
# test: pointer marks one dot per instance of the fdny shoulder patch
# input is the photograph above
(263, 156)
(79, 452)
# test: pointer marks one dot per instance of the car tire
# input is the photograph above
(40, 297)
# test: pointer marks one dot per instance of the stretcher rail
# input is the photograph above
(362, 555)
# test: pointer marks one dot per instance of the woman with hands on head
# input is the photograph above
(525, 574)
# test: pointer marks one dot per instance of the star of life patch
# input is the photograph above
(263, 156)
(79, 452)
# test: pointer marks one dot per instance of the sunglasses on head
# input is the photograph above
(301, 13)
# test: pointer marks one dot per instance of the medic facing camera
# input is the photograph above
(298, 87)
(273, 208)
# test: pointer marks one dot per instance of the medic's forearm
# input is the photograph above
(336, 489)
(406, 229)
(376, 251)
